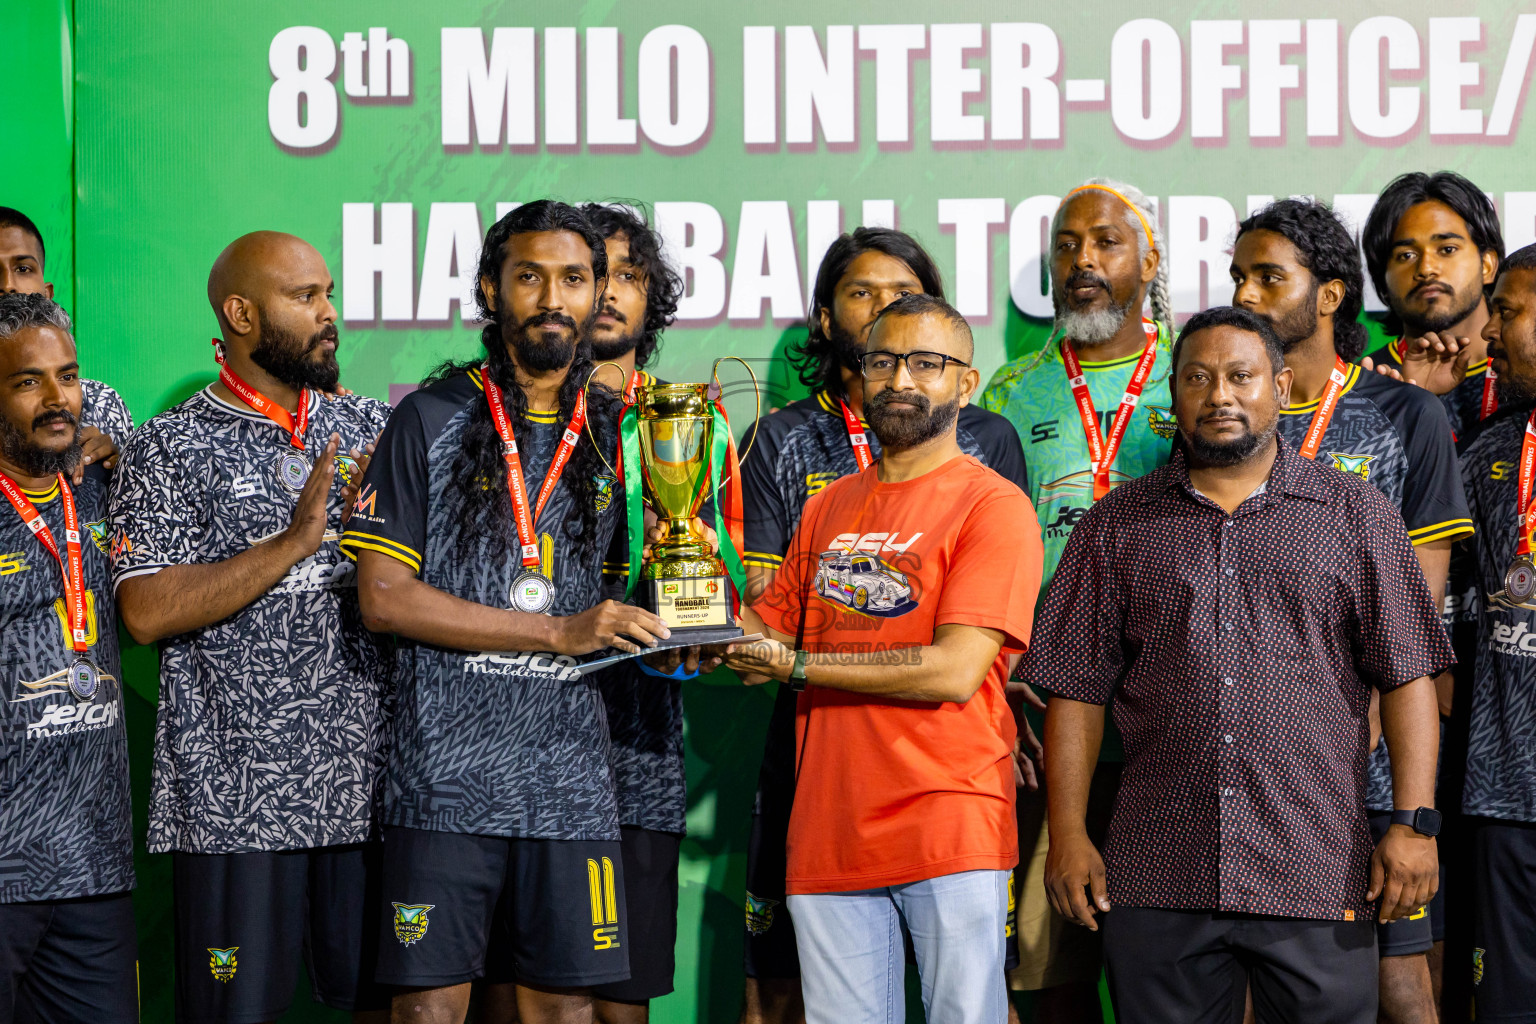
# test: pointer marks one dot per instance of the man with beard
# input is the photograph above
(67, 947)
(1238, 606)
(104, 416)
(798, 451)
(1433, 245)
(1295, 265)
(1499, 796)
(1076, 408)
(480, 535)
(903, 600)
(226, 515)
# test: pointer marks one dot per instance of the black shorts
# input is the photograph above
(1179, 965)
(551, 912)
(69, 961)
(244, 921)
(650, 905)
(1408, 936)
(1504, 925)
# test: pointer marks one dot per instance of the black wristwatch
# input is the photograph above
(797, 672)
(1425, 820)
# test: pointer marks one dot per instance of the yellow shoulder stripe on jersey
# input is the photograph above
(361, 541)
(474, 375)
(48, 494)
(1482, 367)
(1311, 407)
(762, 559)
(543, 417)
(1441, 531)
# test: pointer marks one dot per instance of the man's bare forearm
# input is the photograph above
(1073, 732)
(181, 598)
(1410, 722)
(393, 600)
(951, 669)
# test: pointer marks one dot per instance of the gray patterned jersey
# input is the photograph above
(103, 408)
(271, 723)
(65, 829)
(1395, 436)
(494, 743)
(1501, 745)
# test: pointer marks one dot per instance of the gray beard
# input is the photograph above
(1094, 327)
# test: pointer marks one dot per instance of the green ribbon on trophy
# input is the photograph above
(631, 478)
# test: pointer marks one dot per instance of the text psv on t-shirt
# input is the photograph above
(893, 791)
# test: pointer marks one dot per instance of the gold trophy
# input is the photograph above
(685, 582)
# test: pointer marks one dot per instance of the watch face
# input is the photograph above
(1426, 820)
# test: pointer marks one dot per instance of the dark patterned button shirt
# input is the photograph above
(1239, 652)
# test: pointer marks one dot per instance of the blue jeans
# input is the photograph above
(853, 963)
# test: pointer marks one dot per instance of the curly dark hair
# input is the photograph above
(478, 472)
(816, 358)
(663, 285)
(1409, 190)
(1327, 250)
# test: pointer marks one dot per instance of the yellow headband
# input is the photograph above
(1132, 206)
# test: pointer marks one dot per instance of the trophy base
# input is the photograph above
(695, 608)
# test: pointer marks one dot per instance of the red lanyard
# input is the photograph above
(1490, 393)
(1527, 474)
(74, 568)
(1325, 406)
(261, 403)
(1101, 452)
(857, 440)
(525, 521)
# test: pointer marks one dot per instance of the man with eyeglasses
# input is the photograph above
(798, 451)
(905, 597)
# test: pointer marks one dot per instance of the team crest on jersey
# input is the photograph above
(1477, 966)
(99, 536)
(604, 493)
(1160, 418)
(222, 963)
(411, 921)
(1356, 465)
(759, 914)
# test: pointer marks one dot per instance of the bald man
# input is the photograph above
(226, 514)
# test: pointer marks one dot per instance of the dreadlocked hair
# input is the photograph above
(1328, 250)
(478, 474)
(1159, 293)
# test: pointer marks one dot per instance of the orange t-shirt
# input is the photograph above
(893, 791)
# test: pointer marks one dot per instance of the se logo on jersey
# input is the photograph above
(603, 891)
(1356, 465)
(222, 963)
(411, 921)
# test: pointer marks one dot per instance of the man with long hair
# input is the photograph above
(480, 535)
(798, 451)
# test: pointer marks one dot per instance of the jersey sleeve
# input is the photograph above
(103, 408)
(765, 530)
(1077, 650)
(1434, 503)
(1003, 452)
(155, 512)
(390, 514)
(993, 575)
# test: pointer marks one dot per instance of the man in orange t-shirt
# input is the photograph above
(907, 591)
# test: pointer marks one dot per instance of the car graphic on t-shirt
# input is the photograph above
(864, 583)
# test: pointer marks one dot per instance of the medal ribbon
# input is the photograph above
(634, 493)
(1325, 406)
(857, 440)
(729, 518)
(1490, 393)
(71, 564)
(526, 520)
(1527, 475)
(261, 403)
(1101, 452)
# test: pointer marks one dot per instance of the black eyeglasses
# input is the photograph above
(923, 366)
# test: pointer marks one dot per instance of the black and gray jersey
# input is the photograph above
(65, 826)
(271, 723)
(510, 743)
(1395, 436)
(103, 408)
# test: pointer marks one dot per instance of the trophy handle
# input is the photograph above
(585, 389)
(757, 394)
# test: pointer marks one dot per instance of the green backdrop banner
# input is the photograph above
(391, 135)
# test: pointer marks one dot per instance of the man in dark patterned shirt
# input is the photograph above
(1500, 789)
(226, 516)
(1296, 265)
(1237, 606)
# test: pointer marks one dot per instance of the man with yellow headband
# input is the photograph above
(1078, 410)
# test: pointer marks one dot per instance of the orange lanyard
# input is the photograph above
(1325, 407)
(525, 519)
(261, 403)
(70, 563)
(1100, 451)
(857, 440)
